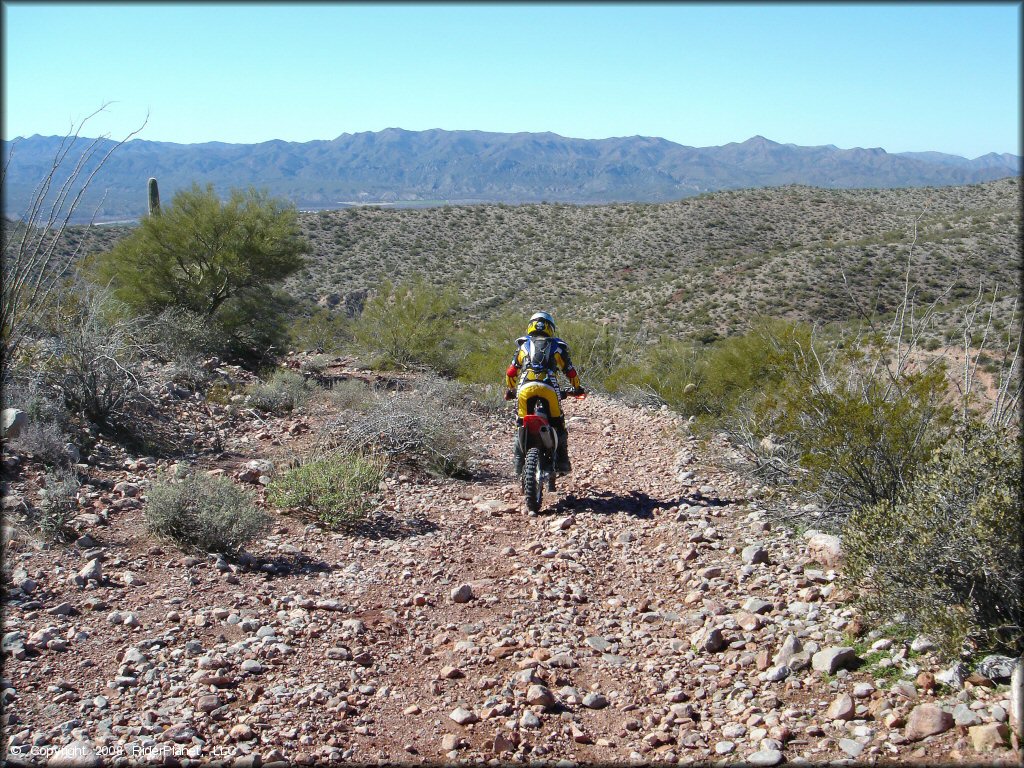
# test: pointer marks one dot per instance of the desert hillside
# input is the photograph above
(709, 263)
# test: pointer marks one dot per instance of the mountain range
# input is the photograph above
(422, 168)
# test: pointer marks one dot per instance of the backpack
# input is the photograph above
(539, 351)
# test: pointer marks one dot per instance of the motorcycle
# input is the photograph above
(538, 442)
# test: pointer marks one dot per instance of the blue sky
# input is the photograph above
(904, 77)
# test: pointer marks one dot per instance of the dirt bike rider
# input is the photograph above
(539, 356)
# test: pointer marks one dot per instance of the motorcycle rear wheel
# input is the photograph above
(533, 488)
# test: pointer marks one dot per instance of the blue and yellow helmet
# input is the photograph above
(541, 324)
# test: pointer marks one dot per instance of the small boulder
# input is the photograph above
(996, 668)
(766, 757)
(964, 716)
(927, 720)
(831, 660)
(451, 742)
(13, 421)
(93, 571)
(841, 708)
(790, 647)
(462, 594)
(463, 716)
(540, 695)
(985, 738)
(825, 549)
(708, 639)
(754, 554)
(79, 754)
(242, 732)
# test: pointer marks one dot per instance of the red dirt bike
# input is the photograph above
(538, 441)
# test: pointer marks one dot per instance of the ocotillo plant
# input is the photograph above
(154, 197)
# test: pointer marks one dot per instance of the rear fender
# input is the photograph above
(533, 423)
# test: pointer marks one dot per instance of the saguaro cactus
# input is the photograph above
(154, 197)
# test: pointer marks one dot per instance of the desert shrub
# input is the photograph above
(282, 393)
(30, 392)
(188, 374)
(315, 365)
(93, 355)
(336, 487)
(945, 557)
(59, 505)
(321, 330)
(182, 335)
(204, 513)
(664, 372)
(599, 351)
(411, 325)
(737, 369)
(415, 429)
(488, 347)
(352, 395)
(256, 325)
(46, 441)
(841, 431)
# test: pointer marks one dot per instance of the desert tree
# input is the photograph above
(219, 260)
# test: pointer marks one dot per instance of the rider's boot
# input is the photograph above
(562, 465)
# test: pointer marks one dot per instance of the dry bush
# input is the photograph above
(59, 505)
(46, 441)
(92, 357)
(204, 513)
(415, 429)
(282, 393)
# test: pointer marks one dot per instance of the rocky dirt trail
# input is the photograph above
(651, 612)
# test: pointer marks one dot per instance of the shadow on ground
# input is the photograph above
(388, 527)
(633, 503)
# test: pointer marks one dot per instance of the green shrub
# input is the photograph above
(204, 513)
(599, 351)
(665, 372)
(488, 348)
(946, 556)
(44, 435)
(282, 393)
(412, 325)
(30, 392)
(337, 487)
(739, 368)
(315, 365)
(182, 335)
(320, 331)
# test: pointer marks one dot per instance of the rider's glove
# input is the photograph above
(579, 391)
(509, 394)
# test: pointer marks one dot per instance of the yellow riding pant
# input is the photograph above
(539, 389)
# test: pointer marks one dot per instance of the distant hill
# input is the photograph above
(422, 168)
